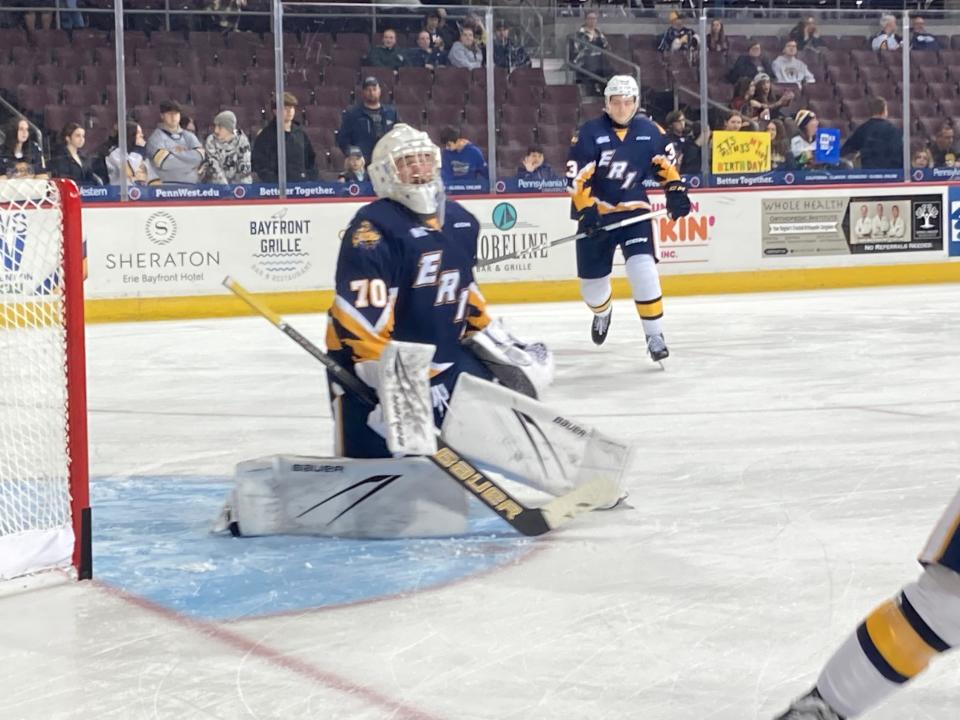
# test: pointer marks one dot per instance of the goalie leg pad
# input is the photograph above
(527, 441)
(342, 497)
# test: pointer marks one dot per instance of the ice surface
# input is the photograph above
(791, 461)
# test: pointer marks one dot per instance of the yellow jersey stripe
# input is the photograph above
(366, 345)
(896, 640)
(650, 310)
(582, 193)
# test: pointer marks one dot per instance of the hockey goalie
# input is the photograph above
(414, 350)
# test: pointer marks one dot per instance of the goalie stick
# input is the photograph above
(579, 236)
(529, 521)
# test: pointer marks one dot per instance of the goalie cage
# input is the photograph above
(44, 496)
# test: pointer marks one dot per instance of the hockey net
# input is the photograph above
(44, 514)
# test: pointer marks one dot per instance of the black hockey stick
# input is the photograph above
(570, 238)
(525, 520)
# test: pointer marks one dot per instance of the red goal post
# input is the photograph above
(44, 493)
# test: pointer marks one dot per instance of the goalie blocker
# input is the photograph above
(536, 453)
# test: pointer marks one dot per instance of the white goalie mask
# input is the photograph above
(621, 85)
(405, 167)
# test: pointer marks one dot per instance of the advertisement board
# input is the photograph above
(954, 221)
(851, 224)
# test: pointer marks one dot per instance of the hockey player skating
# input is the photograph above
(610, 157)
(898, 639)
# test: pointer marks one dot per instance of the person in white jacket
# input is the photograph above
(465, 53)
(864, 225)
(897, 229)
(887, 38)
(789, 68)
(881, 225)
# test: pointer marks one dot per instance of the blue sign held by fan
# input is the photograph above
(827, 151)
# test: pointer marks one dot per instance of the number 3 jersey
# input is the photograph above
(607, 166)
(402, 277)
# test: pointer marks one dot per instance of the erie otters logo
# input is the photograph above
(280, 253)
(161, 228)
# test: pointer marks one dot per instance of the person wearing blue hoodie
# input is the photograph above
(462, 161)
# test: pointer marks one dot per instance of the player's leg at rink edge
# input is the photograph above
(898, 640)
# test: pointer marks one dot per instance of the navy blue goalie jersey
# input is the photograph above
(401, 277)
(607, 165)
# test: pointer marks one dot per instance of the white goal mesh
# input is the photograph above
(35, 514)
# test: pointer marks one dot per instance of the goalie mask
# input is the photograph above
(617, 99)
(405, 167)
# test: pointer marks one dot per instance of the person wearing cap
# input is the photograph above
(387, 54)
(354, 167)
(804, 143)
(301, 160)
(175, 153)
(367, 121)
(678, 37)
(765, 98)
(887, 38)
(877, 140)
(228, 153)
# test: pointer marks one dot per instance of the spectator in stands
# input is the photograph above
(461, 160)
(475, 23)
(717, 38)
(788, 68)
(780, 156)
(187, 123)
(301, 160)
(750, 65)
(70, 163)
(922, 159)
(806, 34)
(942, 149)
(30, 16)
(589, 44)
(743, 93)
(685, 150)
(71, 18)
(424, 54)
(887, 38)
(228, 160)
(678, 36)
(920, 39)
(735, 122)
(367, 121)
(878, 142)
(21, 155)
(388, 54)
(767, 99)
(432, 28)
(225, 14)
(533, 167)
(507, 53)
(175, 153)
(465, 53)
(804, 143)
(354, 167)
(138, 170)
(449, 30)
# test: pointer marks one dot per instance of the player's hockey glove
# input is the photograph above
(592, 222)
(678, 204)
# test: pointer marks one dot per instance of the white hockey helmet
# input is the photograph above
(625, 85)
(398, 152)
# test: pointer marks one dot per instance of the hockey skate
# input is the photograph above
(810, 707)
(657, 348)
(601, 323)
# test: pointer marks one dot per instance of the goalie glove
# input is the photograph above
(526, 368)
